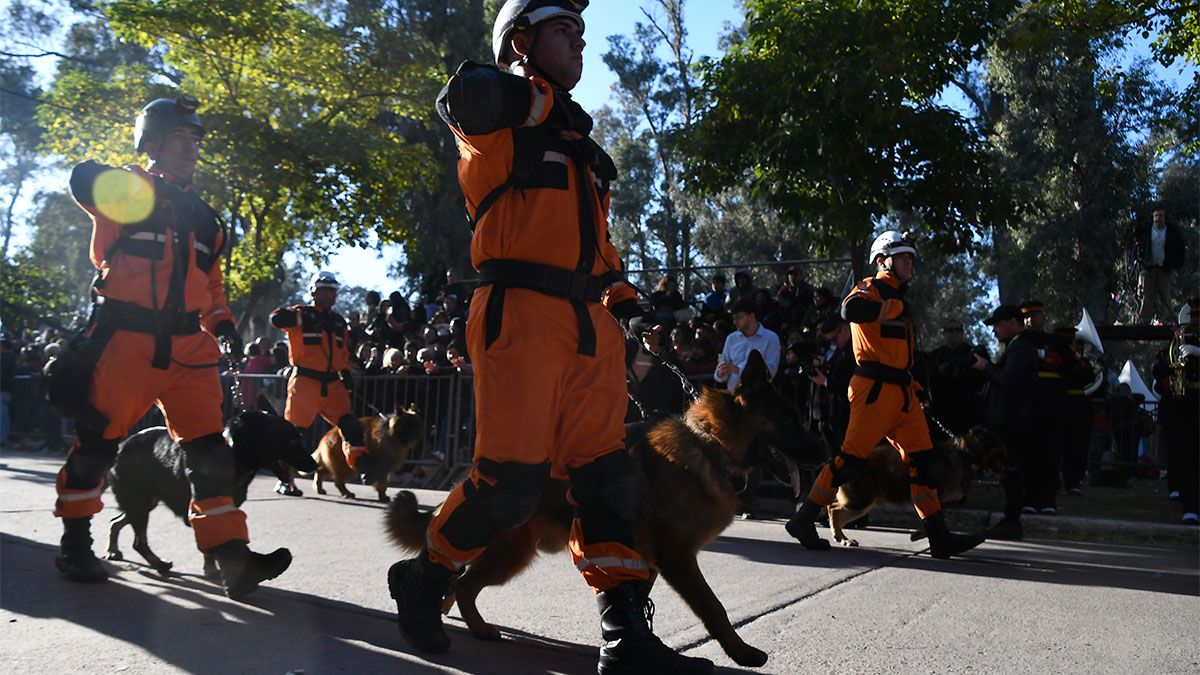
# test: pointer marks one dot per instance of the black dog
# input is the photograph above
(150, 469)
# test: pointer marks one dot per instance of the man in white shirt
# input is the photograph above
(750, 335)
(1162, 254)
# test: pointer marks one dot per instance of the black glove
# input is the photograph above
(347, 380)
(567, 114)
(227, 334)
(627, 310)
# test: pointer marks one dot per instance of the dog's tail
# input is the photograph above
(405, 523)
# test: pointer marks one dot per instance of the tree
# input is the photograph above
(657, 99)
(1175, 27)
(1064, 137)
(830, 112)
(19, 137)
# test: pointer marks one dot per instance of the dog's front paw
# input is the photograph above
(847, 541)
(348, 495)
(747, 656)
(114, 555)
(384, 499)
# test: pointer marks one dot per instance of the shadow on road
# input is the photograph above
(185, 621)
(1110, 567)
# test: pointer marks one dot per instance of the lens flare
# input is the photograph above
(123, 196)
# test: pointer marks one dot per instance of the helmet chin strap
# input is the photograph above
(528, 62)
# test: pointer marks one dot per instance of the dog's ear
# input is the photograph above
(755, 379)
(264, 404)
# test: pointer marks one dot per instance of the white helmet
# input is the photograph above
(323, 279)
(520, 14)
(890, 243)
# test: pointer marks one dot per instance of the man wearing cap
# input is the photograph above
(1077, 412)
(319, 352)
(954, 388)
(160, 301)
(885, 402)
(547, 351)
(1047, 433)
(1008, 407)
(795, 284)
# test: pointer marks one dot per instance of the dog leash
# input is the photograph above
(362, 399)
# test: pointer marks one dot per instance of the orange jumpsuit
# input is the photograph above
(547, 353)
(319, 348)
(157, 247)
(885, 401)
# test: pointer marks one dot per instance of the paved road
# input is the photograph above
(885, 607)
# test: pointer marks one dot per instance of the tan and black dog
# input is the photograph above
(389, 441)
(693, 468)
(884, 480)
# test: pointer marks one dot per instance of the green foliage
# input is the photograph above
(1064, 138)
(1175, 27)
(829, 111)
(33, 293)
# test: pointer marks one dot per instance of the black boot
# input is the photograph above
(630, 646)
(242, 570)
(75, 559)
(418, 586)
(943, 543)
(801, 526)
(1009, 529)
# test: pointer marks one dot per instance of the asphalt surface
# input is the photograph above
(1038, 606)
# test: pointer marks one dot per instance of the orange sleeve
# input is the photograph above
(219, 310)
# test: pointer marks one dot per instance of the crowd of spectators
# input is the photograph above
(391, 336)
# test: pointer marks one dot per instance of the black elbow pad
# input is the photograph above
(83, 180)
(481, 99)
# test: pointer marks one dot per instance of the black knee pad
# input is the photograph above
(517, 490)
(89, 462)
(490, 507)
(210, 466)
(851, 468)
(928, 468)
(610, 484)
(351, 428)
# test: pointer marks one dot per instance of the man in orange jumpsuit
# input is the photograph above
(885, 402)
(319, 350)
(160, 300)
(547, 352)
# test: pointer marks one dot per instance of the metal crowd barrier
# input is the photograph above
(446, 405)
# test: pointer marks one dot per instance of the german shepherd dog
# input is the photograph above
(389, 441)
(884, 480)
(150, 469)
(693, 465)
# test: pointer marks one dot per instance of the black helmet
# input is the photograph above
(163, 114)
(516, 15)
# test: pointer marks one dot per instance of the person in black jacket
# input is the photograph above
(1008, 408)
(1050, 414)
(1160, 251)
(954, 387)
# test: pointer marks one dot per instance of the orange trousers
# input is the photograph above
(124, 386)
(305, 402)
(537, 399)
(883, 418)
